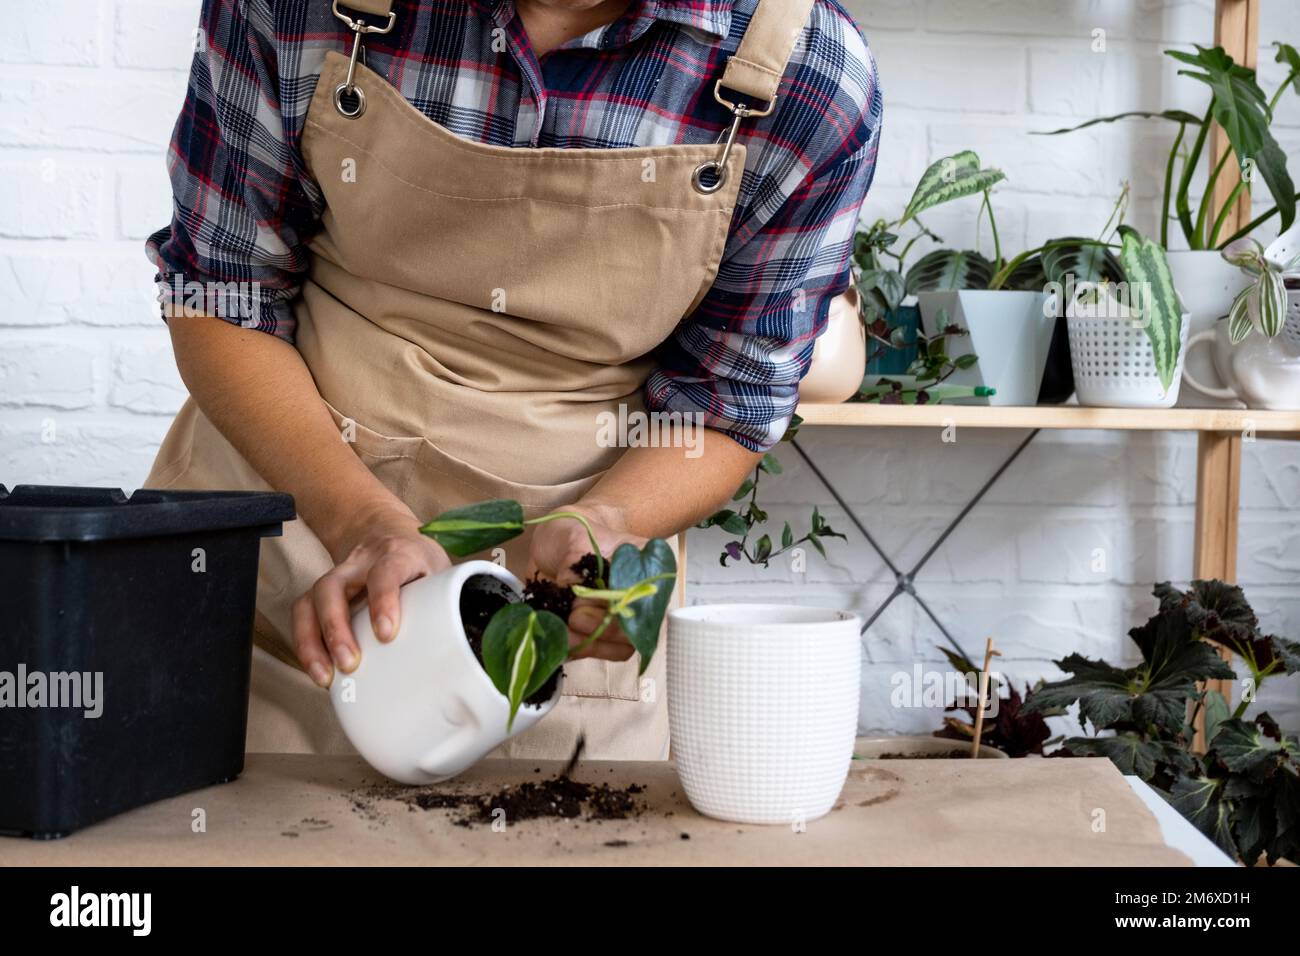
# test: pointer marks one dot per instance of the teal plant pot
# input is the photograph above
(893, 362)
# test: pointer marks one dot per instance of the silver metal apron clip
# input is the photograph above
(349, 87)
(718, 167)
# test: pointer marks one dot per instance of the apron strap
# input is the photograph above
(379, 8)
(758, 64)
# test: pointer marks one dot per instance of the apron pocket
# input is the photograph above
(391, 459)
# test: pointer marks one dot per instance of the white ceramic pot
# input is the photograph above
(421, 708)
(1259, 372)
(763, 708)
(1207, 285)
(840, 356)
(1010, 331)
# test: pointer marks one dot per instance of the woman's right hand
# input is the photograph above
(388, 553)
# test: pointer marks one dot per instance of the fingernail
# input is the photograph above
(345, 657)
(383, 628)
(319, 673)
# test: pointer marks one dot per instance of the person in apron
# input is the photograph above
(471, 317)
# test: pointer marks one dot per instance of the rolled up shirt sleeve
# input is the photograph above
(243, 204)
(737, 360)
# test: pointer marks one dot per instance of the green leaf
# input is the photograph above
(787, 536)
(952, 177)
(1084, 260)
(500, 638)
(1153, 693)
(1146, 269)
(465, 531)
(763, 550)
(1272, 297)
(1244, 749)
(551, 635)
(1287, 55)
(1202, 802)
(965, 361)
(643, 619)
(1027, 276)
(1132, 754)
(523, 659)
(1216, 712)
(771, 464)
(1220, 613)
(816, 543)
(887, 282)
(745, 488)
(1241, 110)
(728, 520)
(1239, 322)
(1176, 116)
(949, 270)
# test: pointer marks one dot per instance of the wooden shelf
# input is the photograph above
(1245, 421)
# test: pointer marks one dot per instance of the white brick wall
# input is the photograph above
(89, 90)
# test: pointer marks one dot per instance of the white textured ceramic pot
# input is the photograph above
(1207, 285)
(421, 708)
(763, 708)
(1010, 331)
(840, 356)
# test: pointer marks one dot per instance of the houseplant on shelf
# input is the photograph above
(1238, 105)
(959, 318)
(1244, 791)
(1261, 370)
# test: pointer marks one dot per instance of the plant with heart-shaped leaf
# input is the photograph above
(524, 646)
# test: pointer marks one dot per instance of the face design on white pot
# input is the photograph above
(421, 708)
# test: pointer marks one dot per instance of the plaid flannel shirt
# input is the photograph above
(246, 206)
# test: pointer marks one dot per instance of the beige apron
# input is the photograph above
(470, 313)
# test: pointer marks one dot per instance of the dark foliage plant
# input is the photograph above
(1015, 731)
(1244, 791)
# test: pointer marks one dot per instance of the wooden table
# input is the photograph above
(310, 810)
(1220, 433)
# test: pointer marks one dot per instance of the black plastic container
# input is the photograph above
(154, 594)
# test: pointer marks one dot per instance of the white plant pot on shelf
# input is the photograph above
(1010, 332)
(1207, 285)
(421, 709)
(840, 356)
(763, 708)
(1112, 358)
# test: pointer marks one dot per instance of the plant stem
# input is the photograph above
(1277, 96)
(1181, 201)
(1208, 197)
(591, 536)
(993, 226)
(1223, 214)
(591, 638)
(1251, 226)
(1169, 186)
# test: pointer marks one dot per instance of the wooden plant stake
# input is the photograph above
(989, 654)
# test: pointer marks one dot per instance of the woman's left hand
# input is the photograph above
(557, 546)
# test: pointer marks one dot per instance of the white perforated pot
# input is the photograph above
(1112, 358)
(763, 708)
(421, 708)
